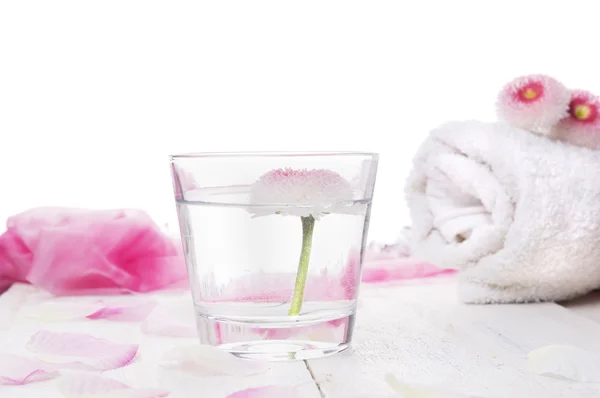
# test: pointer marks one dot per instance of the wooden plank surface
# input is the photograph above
(422, 335)
(417, 332)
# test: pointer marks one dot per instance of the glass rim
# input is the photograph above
(274, 154)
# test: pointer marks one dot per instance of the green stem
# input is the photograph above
(308, 225)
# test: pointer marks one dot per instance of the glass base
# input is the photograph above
(278, 338)
(282, 350)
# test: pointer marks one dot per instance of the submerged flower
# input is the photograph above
(301, 193)
(582, 126)
(308, 194)
(534, 103)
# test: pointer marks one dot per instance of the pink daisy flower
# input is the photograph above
(534, 103)
(582, 126)
(301, 193)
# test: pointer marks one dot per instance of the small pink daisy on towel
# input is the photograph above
(582, 126)
(534, 103)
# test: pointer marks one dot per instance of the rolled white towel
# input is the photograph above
(518, 213)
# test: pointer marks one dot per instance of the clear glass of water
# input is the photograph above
(274, 245)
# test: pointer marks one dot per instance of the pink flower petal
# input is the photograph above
(93, 386)
(17, 370)
(206, 360)
(125, 312)
(62, 310)
(266, 392)
(173, 319)
(77, 350)
(125, 309)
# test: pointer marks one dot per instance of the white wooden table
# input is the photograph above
(416, 331)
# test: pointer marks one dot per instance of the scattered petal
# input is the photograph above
(173, 319)
(210, 361)
(136, 311)
(17, 370)
(78, 350)
(420, 392)
(125, 309)
(566, 362)
(302, 193)
(534, 103)
(62, 310)
(93, 386)
(266, 392)
(582, 126)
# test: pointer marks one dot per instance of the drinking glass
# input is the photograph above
(274, 244)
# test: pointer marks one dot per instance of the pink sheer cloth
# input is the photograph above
(381, 264)
(393, 262)
(386, 263)
(74, 251)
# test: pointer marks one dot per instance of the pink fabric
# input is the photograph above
(275, 287)
(381, 264)
(73, 251)
(393, 262)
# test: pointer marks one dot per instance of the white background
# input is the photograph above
(95, 94)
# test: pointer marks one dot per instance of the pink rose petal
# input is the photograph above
(93, 386)
(266, 392)
(17, 370)
(78, 350)
(125, 309)
(62, 310)
(172, 319)
(206, 360)
(125, 312)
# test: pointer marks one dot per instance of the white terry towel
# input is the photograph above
(518, 213)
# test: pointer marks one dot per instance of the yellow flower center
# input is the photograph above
(529, 93)
(582, 112)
